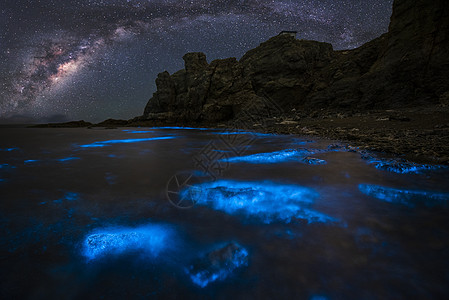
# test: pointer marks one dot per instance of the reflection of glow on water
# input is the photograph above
(266, 201)
(68, 159)
(245, 132)
(126, 141)
(149, 239)
(181, 128)
(139, 131)
(9, 149)
(29, 161)
(409, 198)
(6, 166)
(401, 166)
(298, 155)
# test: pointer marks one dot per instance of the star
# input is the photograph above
(95, 59)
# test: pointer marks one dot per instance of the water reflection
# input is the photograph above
(125, 141)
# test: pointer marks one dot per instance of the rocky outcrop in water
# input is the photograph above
(407, 66)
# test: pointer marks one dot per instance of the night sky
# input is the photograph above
(96, 59)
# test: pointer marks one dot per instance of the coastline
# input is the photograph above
(419, 134)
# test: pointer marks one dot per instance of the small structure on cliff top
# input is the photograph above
(290, 33)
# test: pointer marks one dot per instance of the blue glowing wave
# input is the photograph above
(29, 161)
(126, 141)
(149, 239)
(138, 131)
(245, 132)
(9, 149)
(218, 264)
(66, 159)
(299, 155)
(180, 128)
(266, 201)
(6, 166)
(400, 166)
(410, 198)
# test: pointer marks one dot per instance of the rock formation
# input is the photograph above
(408, 66)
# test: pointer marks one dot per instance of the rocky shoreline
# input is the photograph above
(419, 134)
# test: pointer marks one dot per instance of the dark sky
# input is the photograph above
(98, 59)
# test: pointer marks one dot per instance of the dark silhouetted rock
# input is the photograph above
(408, 66)
(72, 124)
(112, 123)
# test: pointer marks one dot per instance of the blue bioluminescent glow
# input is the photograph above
(9, 149)
(148, 239)
(410, 198)
(218, 264)
(68, 159)
(266, 201)
(139, 131)
(401, 166)
(318, 297)
(29, 161)
(180, 128)
(126, 141)
(245, 132)
(70, 196)
(6, 166)
(271, 157)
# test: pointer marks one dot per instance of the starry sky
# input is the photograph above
(66, 60)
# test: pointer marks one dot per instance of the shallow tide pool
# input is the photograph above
(205, 213)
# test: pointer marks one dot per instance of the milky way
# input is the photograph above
(95, 59)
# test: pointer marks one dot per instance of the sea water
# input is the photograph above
(186, 212)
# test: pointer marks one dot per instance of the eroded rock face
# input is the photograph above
(408, 66)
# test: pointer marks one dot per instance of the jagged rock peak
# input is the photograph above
(195, 62)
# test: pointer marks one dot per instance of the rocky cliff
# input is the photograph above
(406, 67)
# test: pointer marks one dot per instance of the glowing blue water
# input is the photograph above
(29, 161)
(68, 159)
(9, 149)
(218, 264)
(180, 128)
(149, 239)
(126, 141)
(401, 166)
(244, 132)
(273, 157)
(71, 196)
(58, 219)
(138, 131)
(410, 198)
(266, 201)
